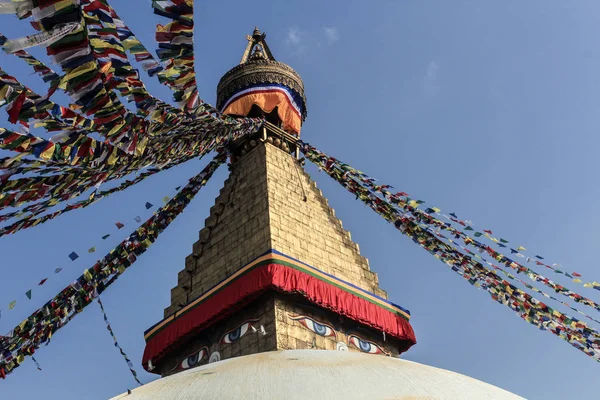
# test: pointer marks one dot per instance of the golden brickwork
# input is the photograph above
(269, 202)
(260, 207)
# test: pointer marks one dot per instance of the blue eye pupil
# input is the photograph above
(320, 329)
(364, 346)
(235, 335)
(193, 360)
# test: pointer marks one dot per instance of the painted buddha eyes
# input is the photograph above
(317, 327)
(193, 360)
(235, 335)
(365, 346)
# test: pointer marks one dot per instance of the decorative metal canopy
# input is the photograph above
(258, 66)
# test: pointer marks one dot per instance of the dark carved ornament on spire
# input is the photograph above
(258, 66)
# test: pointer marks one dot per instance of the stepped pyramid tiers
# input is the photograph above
(273, 268)
(262, 86)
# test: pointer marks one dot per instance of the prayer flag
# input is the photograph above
(57, 270)
(73, 256)
(119, 225)
(28, 294)
(92, 250)
(149, 206)
(11, 305)
(42, 281)
(165, 199)
(521, 248)
(138, 219)
(105, 237)
(87, 274)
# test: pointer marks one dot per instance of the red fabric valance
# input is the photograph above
(273, 276)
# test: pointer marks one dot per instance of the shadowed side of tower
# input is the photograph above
(273, 268)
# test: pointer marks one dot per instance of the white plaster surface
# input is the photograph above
(317, 374)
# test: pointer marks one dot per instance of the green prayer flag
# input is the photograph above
(105, 237)
(503, 241)
(28, 294)
(477, 234)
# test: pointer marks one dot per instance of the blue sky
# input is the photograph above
(487, 109)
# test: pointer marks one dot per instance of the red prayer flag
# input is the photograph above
(42, 281)
(119, 225)
(14, 109)
(576, 274)
(487, 231)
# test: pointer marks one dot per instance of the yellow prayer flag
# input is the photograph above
(521, 248)
(87, 275)
(11, 305)
(47, 154)
(577, 280)
(92, 250)
(437, 210)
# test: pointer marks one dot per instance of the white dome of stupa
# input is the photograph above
(317, 374)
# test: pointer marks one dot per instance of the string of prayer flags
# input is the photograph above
(176, 50)
(40, 326)
(43, 38)
(73, 184)
(106, 32)
(466, 226)
(427, 216)
(402, 215)
(117, 345)
(46, 73)
(93, 249)
(129, 41)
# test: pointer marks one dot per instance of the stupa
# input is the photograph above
(276, 300)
